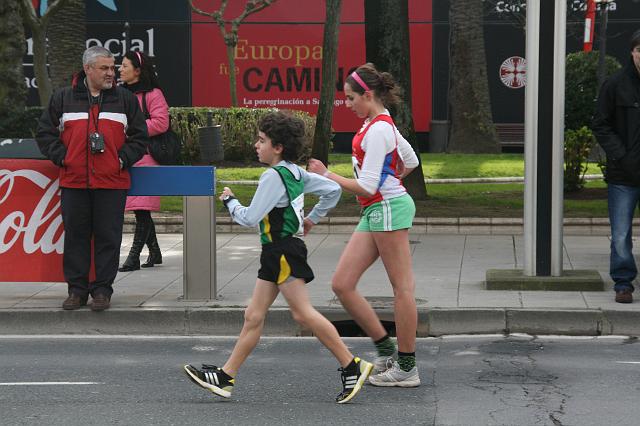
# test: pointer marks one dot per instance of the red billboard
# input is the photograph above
(279, 58)
(31, 232)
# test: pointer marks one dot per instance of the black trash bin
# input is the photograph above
(439, 136)
(211, 149)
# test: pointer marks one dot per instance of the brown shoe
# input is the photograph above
(624, 296)
(74, 301)
(100, 302)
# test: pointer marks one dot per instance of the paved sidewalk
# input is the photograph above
(449, 270)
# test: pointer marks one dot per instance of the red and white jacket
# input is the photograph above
(65, 126)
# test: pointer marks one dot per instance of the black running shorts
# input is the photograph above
(283, 259)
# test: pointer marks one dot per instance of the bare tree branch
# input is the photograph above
(252, 7)
(51, 10)
(193, 8)
(38, 28)
(31, 17)
(231, 37)
(29, 13)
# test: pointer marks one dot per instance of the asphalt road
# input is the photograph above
(484, 380)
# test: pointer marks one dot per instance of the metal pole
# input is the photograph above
(531, 135)
(602, 45)
(199, 249)
(557, 177)
(545, 138)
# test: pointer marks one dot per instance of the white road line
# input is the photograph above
(214, 337)
(627, 362)
(48, 383)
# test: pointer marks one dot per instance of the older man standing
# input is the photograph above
(94, 131)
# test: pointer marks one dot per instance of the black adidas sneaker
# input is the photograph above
(211, 378)
(353, 379)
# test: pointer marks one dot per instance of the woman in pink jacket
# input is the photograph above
(138, 75)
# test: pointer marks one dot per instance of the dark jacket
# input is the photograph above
(63, 136)
(616, 125)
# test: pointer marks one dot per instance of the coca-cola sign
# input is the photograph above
(31, 231)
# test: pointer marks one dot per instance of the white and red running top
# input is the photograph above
(377, 149)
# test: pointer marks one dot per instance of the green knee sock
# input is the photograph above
(385, 346)
(406, 360)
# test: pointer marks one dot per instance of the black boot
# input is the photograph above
(155, 256)
(139, 238)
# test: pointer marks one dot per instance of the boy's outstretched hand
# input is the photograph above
(317, 166)
(225, 191)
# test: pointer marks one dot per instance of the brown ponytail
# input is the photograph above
(381, 84)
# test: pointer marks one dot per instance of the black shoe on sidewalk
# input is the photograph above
(73, 302)
(100, 302)
(624, 296)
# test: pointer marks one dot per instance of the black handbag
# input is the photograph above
(165, 148)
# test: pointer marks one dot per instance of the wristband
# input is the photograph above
(227, 198)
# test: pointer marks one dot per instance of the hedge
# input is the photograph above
(238, 129)
(21, 126)
(581, 86)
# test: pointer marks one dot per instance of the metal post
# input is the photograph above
(531, 136)
(199, 248)
(557, 169)
(545, 138)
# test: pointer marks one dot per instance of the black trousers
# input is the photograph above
(87, 214)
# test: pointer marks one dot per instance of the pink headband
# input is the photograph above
(362, 84)
(139, 57)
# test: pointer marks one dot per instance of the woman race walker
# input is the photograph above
(277, 206)
(381, 157)
(138, 75)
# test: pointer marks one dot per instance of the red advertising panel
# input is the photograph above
(279, 58)
(31, 233)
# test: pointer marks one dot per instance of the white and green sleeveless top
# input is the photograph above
(283, 222)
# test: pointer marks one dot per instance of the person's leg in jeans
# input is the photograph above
(622, 204)
(108, 218)
(76, 260)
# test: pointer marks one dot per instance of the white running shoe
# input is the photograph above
(395, 376)
(383, 363)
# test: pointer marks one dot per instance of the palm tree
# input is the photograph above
(67, 42)
(12, 87)
(472, 129)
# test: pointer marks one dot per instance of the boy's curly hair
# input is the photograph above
(286, 130)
